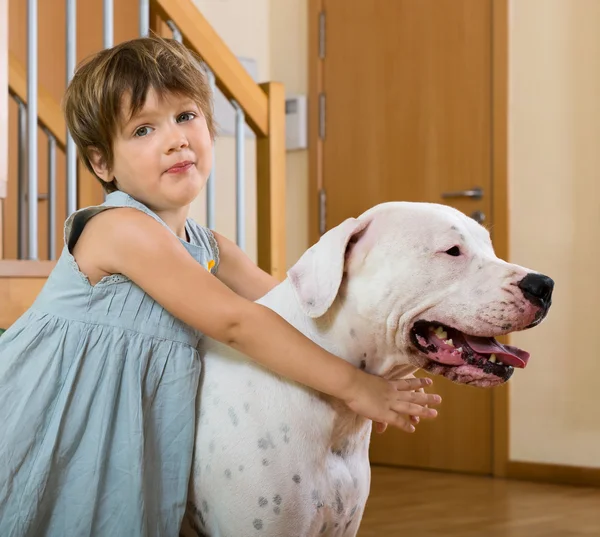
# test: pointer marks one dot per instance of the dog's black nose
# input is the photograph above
(537, 288)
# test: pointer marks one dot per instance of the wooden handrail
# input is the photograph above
(49, 113)
(232, 79)
(25, 269)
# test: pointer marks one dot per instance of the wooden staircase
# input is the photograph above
(263, 106)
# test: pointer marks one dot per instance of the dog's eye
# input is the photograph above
(454, 251)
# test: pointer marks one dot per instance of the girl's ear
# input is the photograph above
(99, 165)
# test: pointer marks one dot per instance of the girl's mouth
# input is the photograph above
(180, 167)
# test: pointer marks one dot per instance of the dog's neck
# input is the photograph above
(341, 333)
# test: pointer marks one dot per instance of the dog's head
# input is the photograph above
(421, 282)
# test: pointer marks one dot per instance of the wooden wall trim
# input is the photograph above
(3, 115)
(554, 473)
(16, 296)
(500, 207)
(315, 144)
(3, 106)
(270, 186)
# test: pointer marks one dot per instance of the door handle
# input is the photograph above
(475, 193)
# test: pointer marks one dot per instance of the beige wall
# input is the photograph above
(289, 64)
(555, 164)
(272, 32)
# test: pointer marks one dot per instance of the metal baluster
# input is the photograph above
(240, 185)
(51, 196)
(32, 115)
(144, 18)
(176, 33)
(22, 180)
(108, 23)
(71, 150)
(210, 186)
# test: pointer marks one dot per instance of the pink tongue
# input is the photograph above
(504, 353)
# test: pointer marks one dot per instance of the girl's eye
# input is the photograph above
(142, 131)
(186, 116)
(454, 251)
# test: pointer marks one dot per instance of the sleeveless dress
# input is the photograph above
(97, 402)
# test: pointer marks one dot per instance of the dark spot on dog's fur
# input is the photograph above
(262, 501)
(233, 416)
(266, 442)
(363, 364)
(296, 479)
(277, 499)
(265, 462)
(339, 505)
(285, 429)
(258, 523)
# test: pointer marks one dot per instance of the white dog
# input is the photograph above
(404, 286)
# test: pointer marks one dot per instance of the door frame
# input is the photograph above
(499, 136)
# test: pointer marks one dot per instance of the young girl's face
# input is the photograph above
(163, 154)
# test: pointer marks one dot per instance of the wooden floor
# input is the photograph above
(408, 503)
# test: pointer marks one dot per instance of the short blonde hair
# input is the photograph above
(93, 102)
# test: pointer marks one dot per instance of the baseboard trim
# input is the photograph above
(553, 473)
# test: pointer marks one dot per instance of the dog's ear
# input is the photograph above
(317, 275)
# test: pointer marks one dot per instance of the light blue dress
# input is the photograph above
(97, 403)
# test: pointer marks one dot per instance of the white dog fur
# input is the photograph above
(275, 459)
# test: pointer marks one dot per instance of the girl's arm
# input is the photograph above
(129, 242)
(239, 273)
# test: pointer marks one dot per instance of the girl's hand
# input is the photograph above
(392, 402)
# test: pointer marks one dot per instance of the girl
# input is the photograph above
(98, 379)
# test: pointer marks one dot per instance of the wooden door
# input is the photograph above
(408, 113)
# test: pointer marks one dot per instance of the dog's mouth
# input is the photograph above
(466, 359)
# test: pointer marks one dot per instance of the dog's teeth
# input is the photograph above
(493, 358)
(441, 333)
(460, 349)
(500, 363)
(449, 342)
